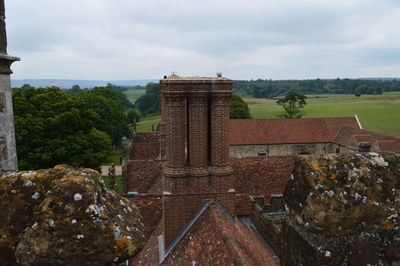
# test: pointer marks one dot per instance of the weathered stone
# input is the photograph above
(2, 102)
(343, 209)
(65, 216)
(3, 148)
(3, 37)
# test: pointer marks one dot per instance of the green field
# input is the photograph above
(380, 113)
(147, 123)
(133, 95)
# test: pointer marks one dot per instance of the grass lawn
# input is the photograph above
(118, 181)
(132, 95)
(147, 123)
(114, 158)
(380, 113)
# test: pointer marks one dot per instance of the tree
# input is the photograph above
(149, 103)
(53, 127)
(132, 116)
(109, 106)
(75, 89)
(292, 103)
(238, 108)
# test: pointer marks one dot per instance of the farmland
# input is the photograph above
(380, 113)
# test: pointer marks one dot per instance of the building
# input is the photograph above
(202, 182)
(282, 137)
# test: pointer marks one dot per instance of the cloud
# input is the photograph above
(127, 39)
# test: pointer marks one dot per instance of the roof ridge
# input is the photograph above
(303, 118)
(206, 204)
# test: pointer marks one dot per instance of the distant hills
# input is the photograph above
(68, 83)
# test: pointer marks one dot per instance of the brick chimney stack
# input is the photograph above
(196, 122)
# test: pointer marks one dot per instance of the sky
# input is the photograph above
(146, 39)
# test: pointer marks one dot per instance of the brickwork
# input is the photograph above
(219, 131)
(146, 151)
(175, 135)
(198, 133)
(193, 173)
(243, 205)
(162, 127)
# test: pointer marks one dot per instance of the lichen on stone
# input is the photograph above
(64, 216)
(337, 201)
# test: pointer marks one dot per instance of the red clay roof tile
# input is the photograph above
(277, 131)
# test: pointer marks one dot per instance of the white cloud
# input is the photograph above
(128, 39)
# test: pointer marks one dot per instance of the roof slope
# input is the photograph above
(278, 131)
(262, 176)
(215, 240)
(143, 174)
(384, 142)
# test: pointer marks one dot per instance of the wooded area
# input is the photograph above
(273, 88)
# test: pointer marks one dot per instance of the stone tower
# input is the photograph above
(8, 154)
(195, 124)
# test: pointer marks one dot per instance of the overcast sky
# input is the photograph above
(243, 39)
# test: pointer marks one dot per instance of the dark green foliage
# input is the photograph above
(238, 108)
(292, 103)
(149, 103)
(273, 88)
(75, 89)
(109, 106)
(53, 127)
(132, 116)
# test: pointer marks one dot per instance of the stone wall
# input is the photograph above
(284, 149)
(8, 155)
(343, 210)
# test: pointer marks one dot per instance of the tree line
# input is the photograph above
(273, 88)
(75, 127)
(149, 103)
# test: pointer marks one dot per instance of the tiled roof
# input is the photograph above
(150, 207)
(215, 240)
(278, 131)
(262, 176)
(346, 135)
(389, 145)
(252, 175)
(149, 254)
(142, 174)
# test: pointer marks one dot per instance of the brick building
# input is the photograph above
(199, 204)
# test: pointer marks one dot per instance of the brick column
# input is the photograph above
(220, 134)
(162, 126)
(175, 135)
(198, 134)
